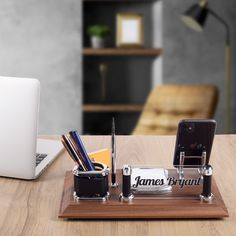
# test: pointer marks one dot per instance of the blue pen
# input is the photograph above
(81, 147)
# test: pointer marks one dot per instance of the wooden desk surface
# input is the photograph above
(31, 207)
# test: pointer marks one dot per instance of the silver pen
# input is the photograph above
(113, 155)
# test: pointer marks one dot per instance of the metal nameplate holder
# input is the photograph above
(175, 185)
(202, 169)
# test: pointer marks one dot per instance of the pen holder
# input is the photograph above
(91, 185)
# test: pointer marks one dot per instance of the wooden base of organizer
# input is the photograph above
(171, 205)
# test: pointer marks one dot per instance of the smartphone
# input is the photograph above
(193, 137)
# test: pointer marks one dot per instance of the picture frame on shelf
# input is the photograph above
(129, 30)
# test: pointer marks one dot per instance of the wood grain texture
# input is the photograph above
(31, 207)
(184, 203)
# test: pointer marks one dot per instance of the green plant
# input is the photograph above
(100, 31)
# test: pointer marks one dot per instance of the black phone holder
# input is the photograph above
(91, 185)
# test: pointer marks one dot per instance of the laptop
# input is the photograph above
(22, 155)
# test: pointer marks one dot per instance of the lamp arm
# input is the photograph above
(226, 25)
(228, 73)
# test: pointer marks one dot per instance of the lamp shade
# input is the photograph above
(195, 17)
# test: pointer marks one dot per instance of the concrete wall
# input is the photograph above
(41, 39)
(157, 67)
(191, 57)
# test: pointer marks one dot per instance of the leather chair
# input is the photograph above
(168, 104)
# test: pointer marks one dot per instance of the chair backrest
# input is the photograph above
(168, 104)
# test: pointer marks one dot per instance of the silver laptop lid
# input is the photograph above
(19, 105)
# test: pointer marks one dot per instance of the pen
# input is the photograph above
(78, 154)
(77, 151)
(69, 151)
(113, 155)
(82, 150)
(73, 153)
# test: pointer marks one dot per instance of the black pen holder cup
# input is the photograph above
(91, 185)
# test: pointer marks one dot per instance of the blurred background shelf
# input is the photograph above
(122, 52)
(118, 80)
(112, 107)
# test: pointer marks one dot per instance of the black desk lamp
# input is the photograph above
(195, 18)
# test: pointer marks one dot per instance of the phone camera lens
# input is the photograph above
(190, 128)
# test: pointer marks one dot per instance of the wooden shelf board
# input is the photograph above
(112, 108)
(122, 52)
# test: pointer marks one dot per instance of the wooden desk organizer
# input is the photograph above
(177, 203)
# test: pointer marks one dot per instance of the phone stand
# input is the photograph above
(204, 170)
(183, 157)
